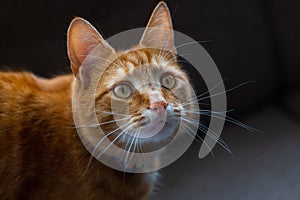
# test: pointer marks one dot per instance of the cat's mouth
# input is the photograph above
(155, 134)
(146, 131)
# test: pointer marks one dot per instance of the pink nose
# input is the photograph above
(159, 107)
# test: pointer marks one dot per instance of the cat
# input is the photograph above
(41, 155)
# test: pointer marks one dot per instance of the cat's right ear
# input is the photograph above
(159, 32)
(82, 39)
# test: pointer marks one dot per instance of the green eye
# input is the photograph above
(168, 81)
(123, 91)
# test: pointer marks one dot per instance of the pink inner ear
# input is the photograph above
(81, 45)
(159, 31)
(160, 17)
(82, 39)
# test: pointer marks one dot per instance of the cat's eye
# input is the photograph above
(123, 90)
(168, 81)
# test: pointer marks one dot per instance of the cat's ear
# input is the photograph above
(159, 31)
(82, 39)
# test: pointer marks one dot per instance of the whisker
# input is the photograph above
(206, 129)
(134, 148)
(175, 9)
(206, 111)
(125, 149)
(128, 151)
(112, 142)
(197, 137)
(231, 120)
(128, 143)
(111, 113)
(175, 58)
(235, 87)
(204, 93)
(210, 133)
(99, 124)
(194, 42)
(182, 61)
(213, 95)
(97, 145)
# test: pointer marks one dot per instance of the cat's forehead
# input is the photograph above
(140, 68)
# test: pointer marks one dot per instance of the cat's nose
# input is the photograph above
(159, 107)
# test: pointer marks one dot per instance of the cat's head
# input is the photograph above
(142, 89)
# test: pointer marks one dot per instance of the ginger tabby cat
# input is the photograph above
(41, 157)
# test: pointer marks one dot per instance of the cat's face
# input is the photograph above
(141, 89)
(145, 88)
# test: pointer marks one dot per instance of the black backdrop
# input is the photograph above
(250, 40)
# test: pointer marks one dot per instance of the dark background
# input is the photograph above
(249, 41)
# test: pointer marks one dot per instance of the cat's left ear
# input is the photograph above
(159, 31)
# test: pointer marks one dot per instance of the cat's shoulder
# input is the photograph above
(58, 83)
(10, 80)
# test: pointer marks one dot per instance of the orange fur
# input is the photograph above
(41, 155)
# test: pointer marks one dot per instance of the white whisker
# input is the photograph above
(129, 150)
(235, 87)
(97, 145)
(111, 113)
(231, 120)
(134, 148)
(112, 142)
(194, 42)
(99, 124)
(198, 137)
(209, 132)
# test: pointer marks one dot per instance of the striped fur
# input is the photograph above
(41, 155)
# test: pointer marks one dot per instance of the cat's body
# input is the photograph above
(42, 156)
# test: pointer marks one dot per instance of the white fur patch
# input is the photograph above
(153, 61)
(130, 67)
(121, 72)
